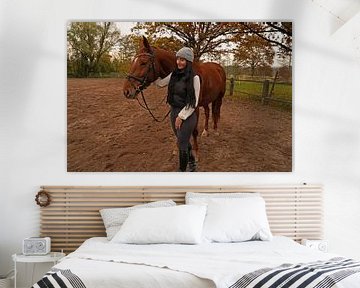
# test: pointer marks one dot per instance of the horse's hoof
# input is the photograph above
(216, 133)
(205, 133)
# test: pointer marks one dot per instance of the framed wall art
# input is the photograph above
(179, 96)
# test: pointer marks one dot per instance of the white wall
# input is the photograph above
(326, 125)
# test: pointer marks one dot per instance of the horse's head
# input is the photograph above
(142, 71)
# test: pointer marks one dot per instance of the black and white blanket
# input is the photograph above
(319, 274)
(59, 278)
(253, 264)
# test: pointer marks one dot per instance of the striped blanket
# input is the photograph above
(59, 278)
(319, 274)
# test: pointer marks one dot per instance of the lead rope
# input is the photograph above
(149, 110)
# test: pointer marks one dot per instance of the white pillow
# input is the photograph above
(113, 218)
(180, 224)
(236, 220)
(203, 198)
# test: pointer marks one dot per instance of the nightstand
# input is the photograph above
(53, 257)
(320, 245)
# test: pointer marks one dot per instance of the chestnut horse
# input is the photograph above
(151, 63)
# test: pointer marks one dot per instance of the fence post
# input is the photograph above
(231, 85)
(273, 84)
(265, 92)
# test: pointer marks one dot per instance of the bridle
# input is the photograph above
(143, 80)
(144, 84)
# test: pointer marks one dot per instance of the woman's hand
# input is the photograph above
(178, 122)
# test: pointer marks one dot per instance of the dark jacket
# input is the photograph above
(178, 97)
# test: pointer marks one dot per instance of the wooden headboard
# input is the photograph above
(73, 214)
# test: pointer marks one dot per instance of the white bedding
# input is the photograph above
(100, 263)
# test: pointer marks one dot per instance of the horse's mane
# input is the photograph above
(167, 60)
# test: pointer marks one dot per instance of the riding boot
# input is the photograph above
(192, 160)
(183, 160)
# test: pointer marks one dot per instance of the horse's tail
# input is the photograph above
(223, 76)
(216, 105)
(216, 108)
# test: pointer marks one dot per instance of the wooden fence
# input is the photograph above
(265, 94)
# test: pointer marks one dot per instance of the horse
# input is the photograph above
(150, 63)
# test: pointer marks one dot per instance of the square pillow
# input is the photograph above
(236, 220)
(172, 225)
(113, 218)
(203, 198)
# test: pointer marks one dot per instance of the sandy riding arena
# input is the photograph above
(109, 133)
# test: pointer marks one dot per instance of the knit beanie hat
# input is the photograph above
(186, 53)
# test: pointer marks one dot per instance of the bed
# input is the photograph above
(132, 257)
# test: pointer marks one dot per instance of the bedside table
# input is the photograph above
(53, 257)
(320, 245)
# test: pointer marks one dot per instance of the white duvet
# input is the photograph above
(100, 263)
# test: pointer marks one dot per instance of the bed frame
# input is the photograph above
(73, 215)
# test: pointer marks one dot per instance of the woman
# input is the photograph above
(183, 97)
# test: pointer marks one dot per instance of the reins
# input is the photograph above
(146, 107)
(144, 84)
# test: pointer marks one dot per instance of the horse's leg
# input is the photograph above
(215, 109)
(206, 127)
(195, 133)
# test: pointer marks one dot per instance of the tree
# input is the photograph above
(88, 42)
(127, 47)
(105, 64)
(214, 38)
(205, 38)
(126, 51)
(285, 73)
(254, 52)
(278, 34)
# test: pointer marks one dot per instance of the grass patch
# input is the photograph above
(253, 89)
